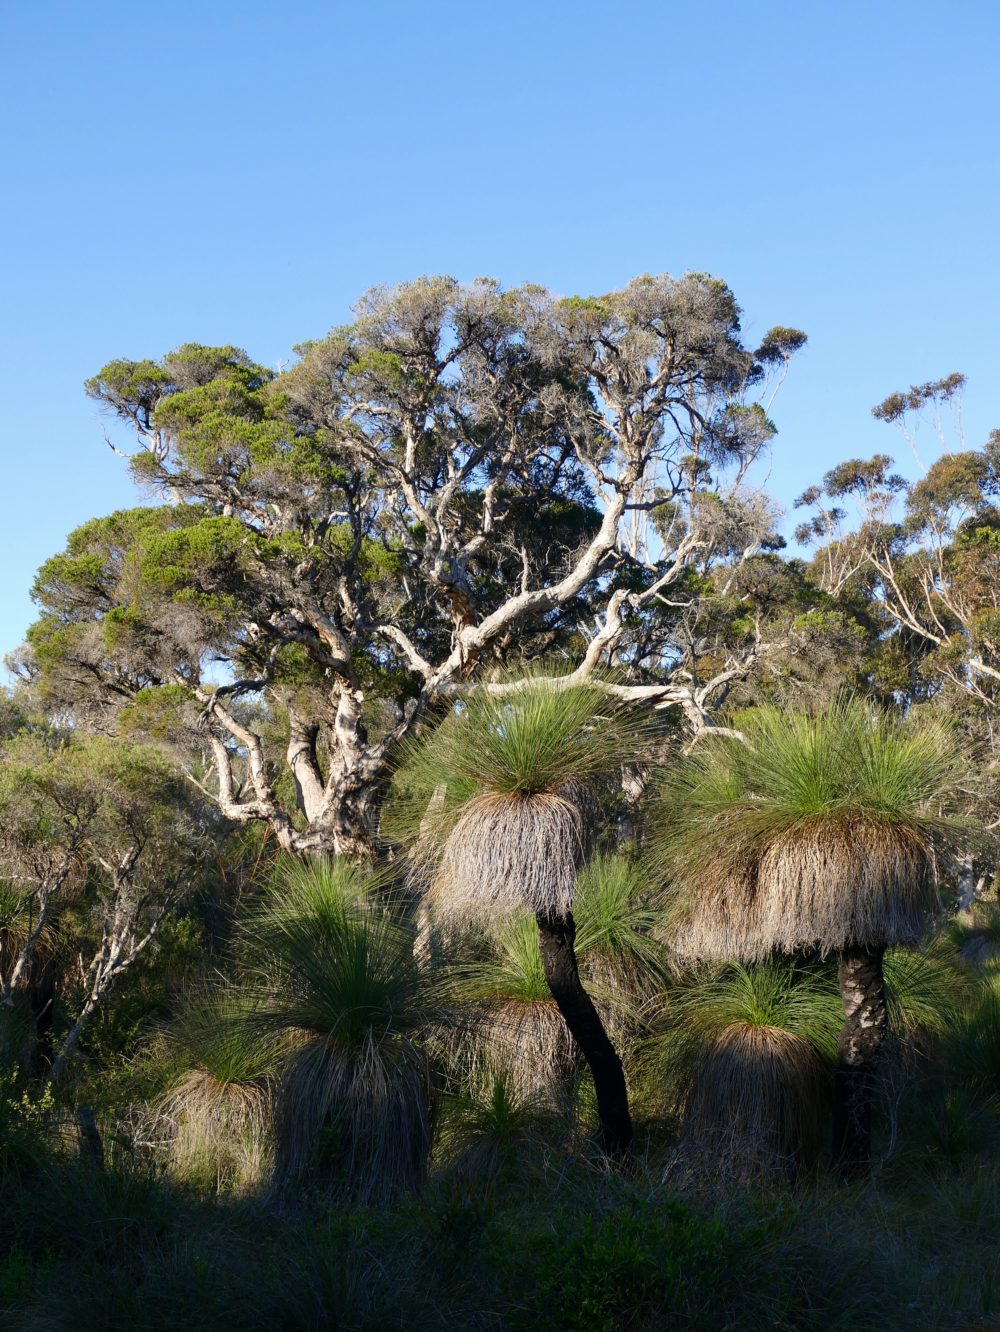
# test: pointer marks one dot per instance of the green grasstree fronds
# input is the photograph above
(357, 1096)
(742, 1054)
(616, 920)
(219, 1110)
(493, 797)
(496, 804)
(812, 832)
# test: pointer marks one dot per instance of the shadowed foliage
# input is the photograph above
(744, 1053)
(493, 1121)
(356, 1099)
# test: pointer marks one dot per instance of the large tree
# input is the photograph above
(462, 476)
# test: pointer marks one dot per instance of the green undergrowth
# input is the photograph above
(569, 1248)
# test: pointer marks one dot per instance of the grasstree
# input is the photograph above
(743, 1053)
(462, 476)
(217, 1115)
(507, 1017)
(493, 800)
(820, 833)
(506, 1025)
(340, 989)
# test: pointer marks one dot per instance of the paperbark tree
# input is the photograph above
(921, 561)
(103, 825)
(463, 476)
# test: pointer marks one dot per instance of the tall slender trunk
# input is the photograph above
(72, 1038)
(557, 937)
(862, 992)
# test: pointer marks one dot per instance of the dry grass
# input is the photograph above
(532, 1042)
(816, 832)
(507, 852)
(822, 883)
(757, 1100)
(218, 1134)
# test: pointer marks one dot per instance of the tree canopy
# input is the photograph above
(464, 476)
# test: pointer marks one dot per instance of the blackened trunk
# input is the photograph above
(556, 937)
(862, 991)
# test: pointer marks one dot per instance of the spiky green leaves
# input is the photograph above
(525, 737)
(615, 922)
(813, 831)
(492, 795)
(341, 967)
(355, 1106)
(743, 1052)
(217, 1034)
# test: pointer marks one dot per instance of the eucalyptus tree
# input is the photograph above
(920, 562)
(461, 476)
(817, 833)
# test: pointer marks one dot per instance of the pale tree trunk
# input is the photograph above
(866, 1020)
(72, 1037)
(120, 946)
(557, 939)
(20, 971)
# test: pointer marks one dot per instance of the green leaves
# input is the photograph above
(851, 759)
(337, 965)
(526, 736)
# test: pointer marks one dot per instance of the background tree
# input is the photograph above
(918, 563)
(98, 841)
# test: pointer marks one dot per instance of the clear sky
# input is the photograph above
(241, 172)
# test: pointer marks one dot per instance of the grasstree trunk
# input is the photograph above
(862, 990)
(557, 935)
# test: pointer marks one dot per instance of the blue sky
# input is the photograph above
(227, 172)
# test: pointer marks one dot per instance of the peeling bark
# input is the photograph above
(866, 1019)
(557, 937)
